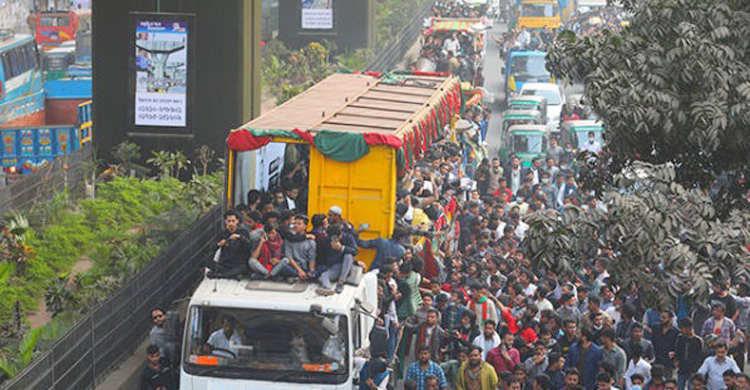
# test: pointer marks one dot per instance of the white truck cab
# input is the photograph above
(250, 334)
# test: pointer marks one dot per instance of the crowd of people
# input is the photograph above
(590, 22)
(524, 39)
(459, 51)
(473, 313)
(461, 304)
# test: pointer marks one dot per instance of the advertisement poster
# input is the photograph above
(161, 49)
(317, 14)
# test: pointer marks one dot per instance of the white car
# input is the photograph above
(555, 100)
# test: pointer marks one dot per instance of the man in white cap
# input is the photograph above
(335, 219)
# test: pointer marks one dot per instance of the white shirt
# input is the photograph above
(715, 371)
(642, 367)
(544, 304)
(593, 147)
(529, 290)
(614, 315)
(521, 231)
(451, 45)
(218, 339)
(486, 345)
(500, 229)
(524, 38)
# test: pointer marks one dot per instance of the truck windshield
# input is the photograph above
(266, 345)
(539, 10)
(529, 68)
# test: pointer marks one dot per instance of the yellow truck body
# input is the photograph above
(391, 109)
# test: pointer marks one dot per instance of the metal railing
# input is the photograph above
(395, 50)
(112, 331)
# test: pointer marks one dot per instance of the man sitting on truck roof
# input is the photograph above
(234, 249)
(301, 253)
(268, 258)
(337, 258)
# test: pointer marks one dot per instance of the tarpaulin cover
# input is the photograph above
(341, 146)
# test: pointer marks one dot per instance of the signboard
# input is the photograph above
(317, 14)
(161, 73)
(161, 70)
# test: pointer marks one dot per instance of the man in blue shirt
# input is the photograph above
(424, 367)
(385, 247)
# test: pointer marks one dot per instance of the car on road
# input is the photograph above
(555, 99)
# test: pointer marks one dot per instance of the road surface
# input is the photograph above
(493, 83)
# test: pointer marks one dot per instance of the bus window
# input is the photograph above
(7, 66)
(54, 21)
(539, 10)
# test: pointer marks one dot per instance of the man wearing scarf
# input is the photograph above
(430, 334)
(483, 307)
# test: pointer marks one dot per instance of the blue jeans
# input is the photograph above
(392, 340)
(682, 381)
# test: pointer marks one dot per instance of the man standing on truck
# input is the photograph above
(234, 249)
(385, 247)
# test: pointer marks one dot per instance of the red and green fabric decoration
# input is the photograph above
(335, 145)
(348, 147)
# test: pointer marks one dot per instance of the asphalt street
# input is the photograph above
(493, 83)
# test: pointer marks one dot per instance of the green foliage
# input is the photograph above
(14, 360)
(58, 297)
(162, 161)
(126, 152)
(289, 91)
(674, 87)
(287, 73)
(129, 224)
(204, 156)
(202, 190)
(664, 239)
(356, 60)
(394, 15)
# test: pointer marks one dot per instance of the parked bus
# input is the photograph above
(21, 85)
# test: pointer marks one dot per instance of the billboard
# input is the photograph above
(317, 14)
(161, 72)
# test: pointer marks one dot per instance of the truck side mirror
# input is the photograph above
(502, 70)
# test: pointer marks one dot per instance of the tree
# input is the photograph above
(673, 87)
(204, 156)
(663, 239)
(126, 152)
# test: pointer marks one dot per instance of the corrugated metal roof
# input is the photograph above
(358, 103)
